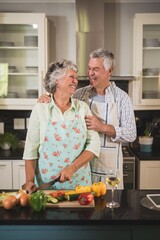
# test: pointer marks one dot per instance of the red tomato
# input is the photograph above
(57, 193)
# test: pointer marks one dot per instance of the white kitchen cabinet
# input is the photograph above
(12, 174)
(149, 174)
(23, 58)
(146, 66)
(18, 169)
(5, 174)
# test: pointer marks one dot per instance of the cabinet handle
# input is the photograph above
(3, 165)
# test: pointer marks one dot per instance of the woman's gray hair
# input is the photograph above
(56, 71)
(108, 57)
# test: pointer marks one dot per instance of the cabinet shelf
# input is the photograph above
(23, 74)
(20, 48)
(151, 76)
(151, 48)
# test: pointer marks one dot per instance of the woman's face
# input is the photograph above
(68, 83)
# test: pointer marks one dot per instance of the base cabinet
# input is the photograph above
(18, 168)
(5, 174)
(12, 174)
(149, 177)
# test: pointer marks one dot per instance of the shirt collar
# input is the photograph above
(52, 103)
(109, 89)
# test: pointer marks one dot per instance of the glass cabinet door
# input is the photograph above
(151, 62)
(19, 52)
(146, 61)
(23, 59)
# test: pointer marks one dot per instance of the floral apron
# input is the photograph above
(111, 154)
(64, 141)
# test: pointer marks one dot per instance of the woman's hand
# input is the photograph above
(44, 98)
(30, 187)
(67, 173)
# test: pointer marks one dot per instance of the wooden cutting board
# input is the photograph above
(63, 204)
(68, 204)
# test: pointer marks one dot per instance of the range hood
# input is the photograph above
(90, 34)
(89, 31)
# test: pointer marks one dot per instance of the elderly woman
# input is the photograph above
(58, 142)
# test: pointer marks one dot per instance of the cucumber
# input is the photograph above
(62, 198)
(51, 199)
(72, 197)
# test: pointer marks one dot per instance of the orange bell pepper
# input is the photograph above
(99, 189)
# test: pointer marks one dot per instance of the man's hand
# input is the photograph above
(44, 98)
(95, 124)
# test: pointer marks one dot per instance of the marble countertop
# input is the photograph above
(130, 212)
(153, 155)
(10, 154)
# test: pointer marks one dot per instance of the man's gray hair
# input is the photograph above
(56, 71)
(109, 61)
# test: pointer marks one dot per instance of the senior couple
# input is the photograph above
(77, 134)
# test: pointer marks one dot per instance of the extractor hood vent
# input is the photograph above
(89, 30)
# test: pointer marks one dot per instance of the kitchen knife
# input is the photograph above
(47, 185)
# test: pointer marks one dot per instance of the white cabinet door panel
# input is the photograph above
(5, 174)
(150, 175)
(18, 173)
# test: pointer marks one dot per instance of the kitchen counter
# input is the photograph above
(11, 154)
(131, 221)
(154, 155)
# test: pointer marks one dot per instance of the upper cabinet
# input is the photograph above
(23, 59)
(146, 62)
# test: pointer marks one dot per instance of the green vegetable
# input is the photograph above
(38, 201)
(61, 198)
(52, 199)
(72, 197)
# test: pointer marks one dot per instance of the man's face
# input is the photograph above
(99, 77)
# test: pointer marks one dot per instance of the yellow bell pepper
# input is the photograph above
(83, 189)
(99, 189)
